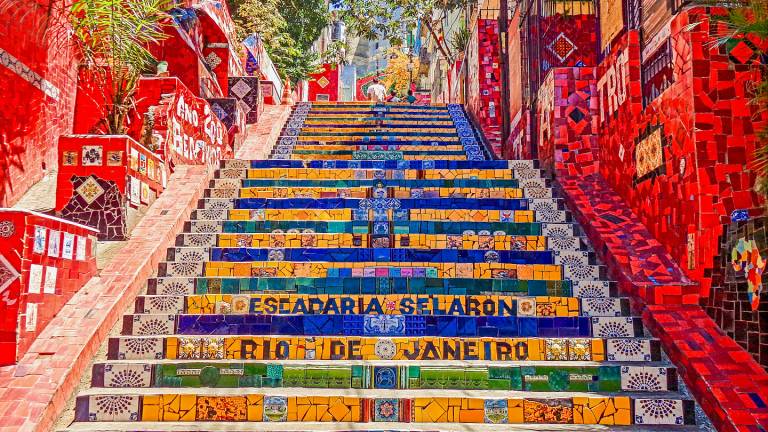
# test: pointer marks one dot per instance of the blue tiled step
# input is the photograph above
(381, 325)
(380, 133)
(383, 165)
(464, 183)
(379, 285)
(400, 151)
(381, 124)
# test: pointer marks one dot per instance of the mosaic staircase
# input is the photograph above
(379, 273)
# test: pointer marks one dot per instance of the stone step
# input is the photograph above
(380, 252)
(521, 165)
(352, 406)
(482, 305)
(424, 348)
(413, 241)
(214, 209)
(379, 285)
(565, 377)
(370, 325)
(276, 267)
(563, 232)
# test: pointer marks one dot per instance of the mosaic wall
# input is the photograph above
(45, 260)
(100, 176)
(663, 177)
(566, 121)
(649, 153)
(738, 300)
(38, 82)
(247, 91)
(325, 86)
(185, 128)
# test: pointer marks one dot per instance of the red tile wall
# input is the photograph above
(31, 121)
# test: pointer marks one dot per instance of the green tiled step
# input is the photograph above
(424, 304)
(562, 231)
(379, 285)
(610, 378)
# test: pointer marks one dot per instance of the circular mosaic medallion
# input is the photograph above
(385, 349)
(7, 229)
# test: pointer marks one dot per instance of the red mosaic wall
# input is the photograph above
(45, 260)
(566, 121)
(186, 131)
(325, 83)
(100, 175)
(37, 81)
(679, 162)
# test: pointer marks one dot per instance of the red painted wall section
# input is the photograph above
(325, 85)
(484, 75)
(37, 81)
(44, 261)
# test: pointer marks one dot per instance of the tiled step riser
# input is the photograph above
(371, 325)
(382, 251)
(529, 168)
(380, 286)
(411, 241)
(381, 376)
(486, 305)
(618, 410)
(219, 185)
(218, 212)
(425, 348)
(277, 267)
(332, 171)
(369, 192)
(563, 232)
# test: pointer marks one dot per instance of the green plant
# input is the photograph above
(288, 29)
(336, 53)
(460, 39)
(389, 19)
